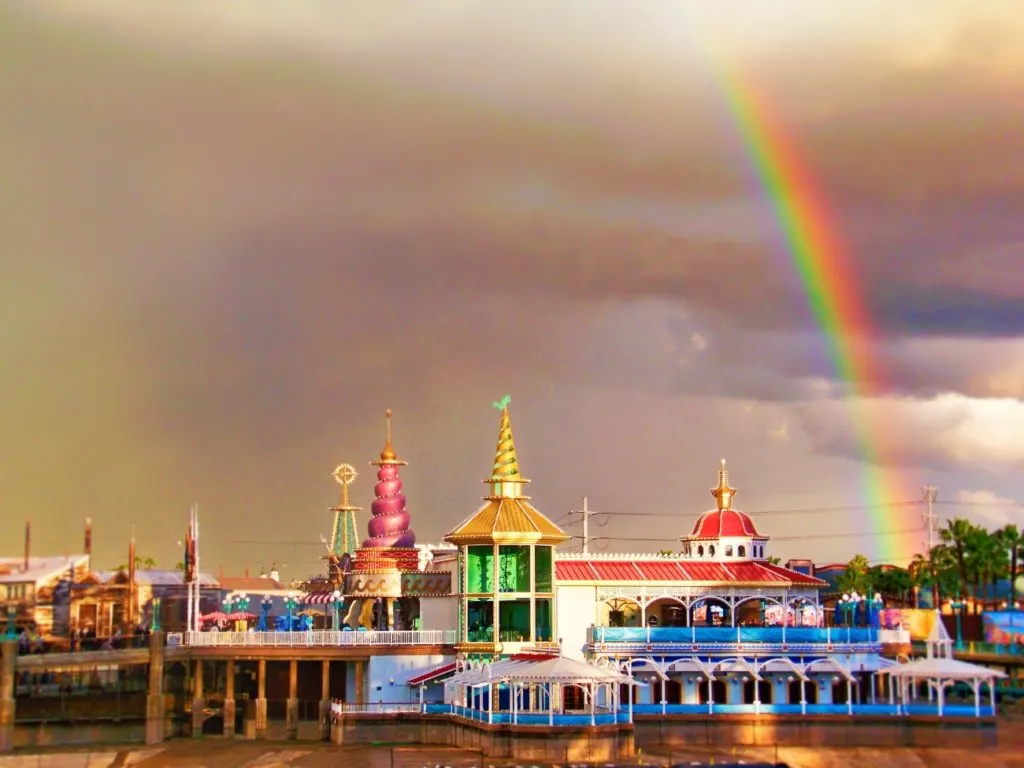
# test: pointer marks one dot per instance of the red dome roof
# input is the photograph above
(724, 522)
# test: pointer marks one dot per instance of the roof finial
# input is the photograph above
(388, 454)
(505, 477)
(723, 493)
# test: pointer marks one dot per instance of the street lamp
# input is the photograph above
(266, 606)
(228, 603)
(956, 606)
(874, 606)
(242, 602)
(848, 604)
(290, 604)
(337, 603)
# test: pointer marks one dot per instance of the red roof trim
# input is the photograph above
(432, 674)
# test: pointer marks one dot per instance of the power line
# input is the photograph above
(804, 511)
(1007, 503)
(801, 537)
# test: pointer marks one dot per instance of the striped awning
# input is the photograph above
(432, 674)
(317, 598)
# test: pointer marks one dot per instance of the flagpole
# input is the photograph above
(188, 570)
(198, 577)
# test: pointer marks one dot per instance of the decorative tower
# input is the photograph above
(389, 526)
(506, 562)
(343, 532)
(724, 533)
(387, 569)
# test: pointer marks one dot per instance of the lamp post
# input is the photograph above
(242, 606)
(337, 602)
(874, 607)
(266, 606)
(290, 604)
(956, 606)
(12, 622)
(228, 603)
(154, 625)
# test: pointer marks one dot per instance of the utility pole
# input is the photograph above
(930, 493)
(586, 526)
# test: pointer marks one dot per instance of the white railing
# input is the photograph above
(318, 638)
(381, 707)
(894, 636)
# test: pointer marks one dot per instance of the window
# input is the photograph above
(741, 550)
(542, 569)
(700, 551)
(728, 550)
(542, 619)
(711, 551)
(480, 569)
(514, 569)
(480, 620)
(514, 621)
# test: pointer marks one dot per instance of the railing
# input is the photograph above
(318, 638)
(380, 708)
(990, 649)
(728, 638)
(861, 710)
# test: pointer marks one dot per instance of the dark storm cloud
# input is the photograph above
(223, 260)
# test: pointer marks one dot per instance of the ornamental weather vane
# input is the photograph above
(503, 403)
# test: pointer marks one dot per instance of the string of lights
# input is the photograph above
(798, 537)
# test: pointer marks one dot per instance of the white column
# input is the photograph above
(803, 695)
(711, 695)
(422, 708)
(593, 711)
(664, 690)
(630, 690)
(849, 697)
(976, 685)
(940, 696)
(551, 704)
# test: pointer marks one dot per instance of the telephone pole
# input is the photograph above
(586, 526)
(929, 493)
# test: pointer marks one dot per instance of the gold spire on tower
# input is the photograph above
(505, 478)
(388, 455)
(723, 493)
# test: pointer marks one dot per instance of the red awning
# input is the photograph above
(317, 598)
(432, 674)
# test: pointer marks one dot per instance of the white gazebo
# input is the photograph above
(536, 684)
(940, 670)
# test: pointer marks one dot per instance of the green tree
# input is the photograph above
(855, 577)
(956, 535)
(1013, 542)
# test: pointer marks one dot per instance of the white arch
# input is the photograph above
(785, 662)
(740, 662)
(771, 600)
(690, 666)
(836, 667)
(631, 666)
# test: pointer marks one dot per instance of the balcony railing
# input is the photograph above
(316, 638)
(712, 638)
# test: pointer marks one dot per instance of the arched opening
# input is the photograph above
(575, 698)
(810, 691)
(741, 551)
(710, 612)
(669, 691)
(619, 612)
(711, 550)
(667, 611)
(759, 612)
(700, 550)
(728, 550)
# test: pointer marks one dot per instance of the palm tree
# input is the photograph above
(855, 577)
(1013, 541)
(919, 572)
(773, 560)
(956, 534)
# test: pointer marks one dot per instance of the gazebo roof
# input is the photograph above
(944, 669)
(557, 669)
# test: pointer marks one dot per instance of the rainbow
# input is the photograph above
(815, 248)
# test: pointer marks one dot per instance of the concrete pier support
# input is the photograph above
(292, 706)
(198, 699)
(261, 700)
(325, 699)
(8, 655)
(229, 699)
(155, 696)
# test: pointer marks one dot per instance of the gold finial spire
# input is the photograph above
(388, 454)
(723, 493)
(344, 475)
(505, 477)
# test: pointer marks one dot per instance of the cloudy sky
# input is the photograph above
(234, 233)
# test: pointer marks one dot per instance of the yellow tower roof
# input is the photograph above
(507, 515)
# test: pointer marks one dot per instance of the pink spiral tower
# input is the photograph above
(389, 526)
